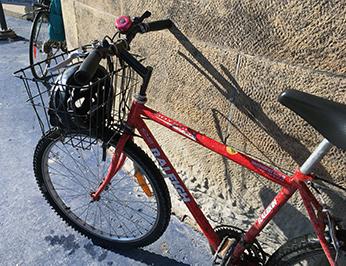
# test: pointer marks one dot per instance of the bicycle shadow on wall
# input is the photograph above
(227, 85)
(286, 218)
(289, 230)
(230, 89)
(289, 219)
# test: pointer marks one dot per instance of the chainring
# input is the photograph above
(252, 256)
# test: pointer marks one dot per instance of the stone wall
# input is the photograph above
(220, 71)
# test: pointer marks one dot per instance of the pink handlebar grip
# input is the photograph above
(123, 23)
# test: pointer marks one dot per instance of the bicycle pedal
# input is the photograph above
(221, 256)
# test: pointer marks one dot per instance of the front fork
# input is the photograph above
(118, 159)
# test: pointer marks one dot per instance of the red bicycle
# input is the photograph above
(106, 187)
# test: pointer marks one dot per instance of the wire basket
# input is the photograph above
(90, 110)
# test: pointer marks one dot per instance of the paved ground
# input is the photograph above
(30, 233)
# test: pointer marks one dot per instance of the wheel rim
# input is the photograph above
(40, 37)
(123, 214)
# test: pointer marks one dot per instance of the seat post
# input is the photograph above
(316, 156)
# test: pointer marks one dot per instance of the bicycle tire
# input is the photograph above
(113, 201)
(303, 250)
(39, 35)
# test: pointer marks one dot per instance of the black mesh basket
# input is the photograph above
(84, 112)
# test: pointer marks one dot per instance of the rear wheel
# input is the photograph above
(134, 209)
(304, 250)
(38, 37)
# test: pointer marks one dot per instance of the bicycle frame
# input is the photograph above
(290, 184)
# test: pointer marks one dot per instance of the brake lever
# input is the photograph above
(140, 19)
(66, 62)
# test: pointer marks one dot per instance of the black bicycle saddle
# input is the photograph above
(327, 117)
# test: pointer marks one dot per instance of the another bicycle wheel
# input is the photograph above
(305, 250)
(134, 209)
(38, 37)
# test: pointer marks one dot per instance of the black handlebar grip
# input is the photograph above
(160, 25)
(88, 68)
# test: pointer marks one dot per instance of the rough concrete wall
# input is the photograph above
(220, 72)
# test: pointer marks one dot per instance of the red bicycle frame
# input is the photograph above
(290, 184)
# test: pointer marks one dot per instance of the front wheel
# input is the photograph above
(305, 250)
(133, 210)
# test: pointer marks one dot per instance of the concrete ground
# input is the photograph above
(30, 233)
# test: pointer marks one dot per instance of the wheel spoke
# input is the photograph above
(79, 165)
(136, 211)
(71, 177)
(123, 214)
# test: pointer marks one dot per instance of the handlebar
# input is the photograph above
(160, 25)
(89, 66)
